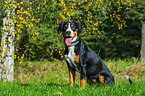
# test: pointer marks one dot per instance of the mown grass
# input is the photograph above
(49, 89)
(45, 78)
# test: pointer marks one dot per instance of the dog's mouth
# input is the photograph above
(68, 40)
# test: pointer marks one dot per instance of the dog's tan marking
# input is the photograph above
(75, 33)
(101, 78)
(65, 25)
(76, 59)
(71, 77)
(83, 83)
(72, 26)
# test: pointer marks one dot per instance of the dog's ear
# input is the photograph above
(79, 27)
(60, 27)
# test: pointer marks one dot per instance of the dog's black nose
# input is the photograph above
(68, 32)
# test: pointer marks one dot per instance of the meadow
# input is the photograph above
(45, 78)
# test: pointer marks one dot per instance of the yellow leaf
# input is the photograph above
(21, 2)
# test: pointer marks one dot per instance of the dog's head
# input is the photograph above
(70, 31)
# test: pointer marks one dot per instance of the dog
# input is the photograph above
(81, 58)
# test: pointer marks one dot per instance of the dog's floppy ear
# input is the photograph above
(79, 27)
(60, 27)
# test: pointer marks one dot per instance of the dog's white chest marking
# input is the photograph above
(70, 57)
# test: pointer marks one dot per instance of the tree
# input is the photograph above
(7, 42)
(143, 43)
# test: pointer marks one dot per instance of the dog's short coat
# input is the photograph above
(81, 58)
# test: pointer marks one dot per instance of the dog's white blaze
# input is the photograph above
(69, 29)
(70, 57)
(72, 34)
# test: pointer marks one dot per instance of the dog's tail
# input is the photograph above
(130, 81)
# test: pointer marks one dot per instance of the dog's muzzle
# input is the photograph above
(68, 33)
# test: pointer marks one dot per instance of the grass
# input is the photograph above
(45, 78)
(49, 89)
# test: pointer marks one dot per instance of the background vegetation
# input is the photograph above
(111, 28)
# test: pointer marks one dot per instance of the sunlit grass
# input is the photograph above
(51, 78)
(50, 89)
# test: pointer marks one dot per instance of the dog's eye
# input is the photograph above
(74, 28)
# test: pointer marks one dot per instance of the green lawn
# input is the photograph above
(41, 89)
(40, 78)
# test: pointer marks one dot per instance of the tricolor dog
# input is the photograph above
(81, 58)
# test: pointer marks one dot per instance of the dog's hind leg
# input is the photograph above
(101, 78)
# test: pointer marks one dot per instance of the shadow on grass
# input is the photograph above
(41, 84)
(55, 84)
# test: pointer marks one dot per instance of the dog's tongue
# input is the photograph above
(68, 41)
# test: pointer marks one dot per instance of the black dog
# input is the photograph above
(81, 58)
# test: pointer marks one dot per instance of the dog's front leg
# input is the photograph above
(83, 76)
(72, 76)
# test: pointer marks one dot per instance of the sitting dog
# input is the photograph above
(81, 58)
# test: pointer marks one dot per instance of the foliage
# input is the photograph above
(110, 27)
(135, 18)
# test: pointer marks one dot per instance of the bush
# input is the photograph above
(111, 28)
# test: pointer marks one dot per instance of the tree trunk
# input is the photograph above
(7, 46)
(143, 43)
